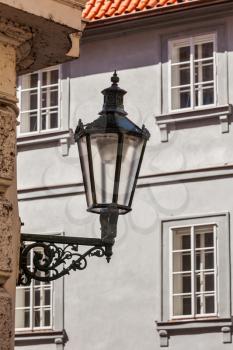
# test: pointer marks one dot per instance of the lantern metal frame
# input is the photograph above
(56, 256)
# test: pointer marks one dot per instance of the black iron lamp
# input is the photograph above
(111, 150)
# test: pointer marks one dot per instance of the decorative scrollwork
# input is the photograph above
(48, 261)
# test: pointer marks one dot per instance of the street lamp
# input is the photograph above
(111, 150)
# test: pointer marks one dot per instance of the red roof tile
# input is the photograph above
(102, 9)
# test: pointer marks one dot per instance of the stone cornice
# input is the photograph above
(73, 3)
(19, 37)
(13, 33)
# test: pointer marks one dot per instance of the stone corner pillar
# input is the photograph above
(12, 39)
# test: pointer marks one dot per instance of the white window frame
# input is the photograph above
(39, 108)
(31, 307)
(193, 270)
(191, 40)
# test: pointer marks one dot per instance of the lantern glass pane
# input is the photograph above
(85, 168)
(131, 153)
(104, 154)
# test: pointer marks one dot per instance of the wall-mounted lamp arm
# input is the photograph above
(47, 257)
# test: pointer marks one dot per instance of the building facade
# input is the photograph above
(169, 283)
(28, 40)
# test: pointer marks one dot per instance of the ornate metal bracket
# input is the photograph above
(46, 257)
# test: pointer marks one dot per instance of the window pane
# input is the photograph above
(209, 304)
(47, 300)
(209, 260)
(180, 54)
(54, 120)
(181, 98)
(204, 95)
(28, 100)
(36, 318)
(198, 261)
(198, 304)
(28, 122)
(49, 97)
(37, 297)
(207, 50)
(198, 282)
(181, 283)
(180, 75)
(181, 262)
(22, 318)
(47, 318)
(54, 76)
(204, 71)
(29, 81)
(209, 282)
(204, 50)
(181, 238)
(182, 305)
(23, 297)
(209, 239)
(208, 96)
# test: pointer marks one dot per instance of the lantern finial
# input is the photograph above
(115, 79)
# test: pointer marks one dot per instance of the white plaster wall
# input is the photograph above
(114, 306)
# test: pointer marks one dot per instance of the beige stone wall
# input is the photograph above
(9, 219)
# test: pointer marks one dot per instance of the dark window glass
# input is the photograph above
(186, 262)
(209, 260)
(27, 318)
(47, 317)
(186, 242)
(53, 120)
(185, 101)
(184, 53)
(209, 304)
(186, 284)
(209, 283)
(186, 306)
(209, 239)
(54, 76)
(208, 96)
(37, 318)
(33, 122)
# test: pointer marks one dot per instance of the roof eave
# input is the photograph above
(98, 23)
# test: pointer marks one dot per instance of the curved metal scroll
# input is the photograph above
(50, 261)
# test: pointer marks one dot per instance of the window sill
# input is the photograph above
(64, 137)
(222, 113)
(23, 338)
(205, 325)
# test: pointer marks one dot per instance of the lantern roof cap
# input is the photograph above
(112, 118)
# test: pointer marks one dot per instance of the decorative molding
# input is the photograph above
(6, 238)
(167, 329)
(64, 137)
(220, 112)
(189, 175)
(73, 3)
(163, 338)
(39, 337)
(8, 112)
(226, 335)
(20, 37)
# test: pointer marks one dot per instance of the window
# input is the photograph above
(39, 101)
(194, 277)
(192, 81)
(34, 305)
(195, 268)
